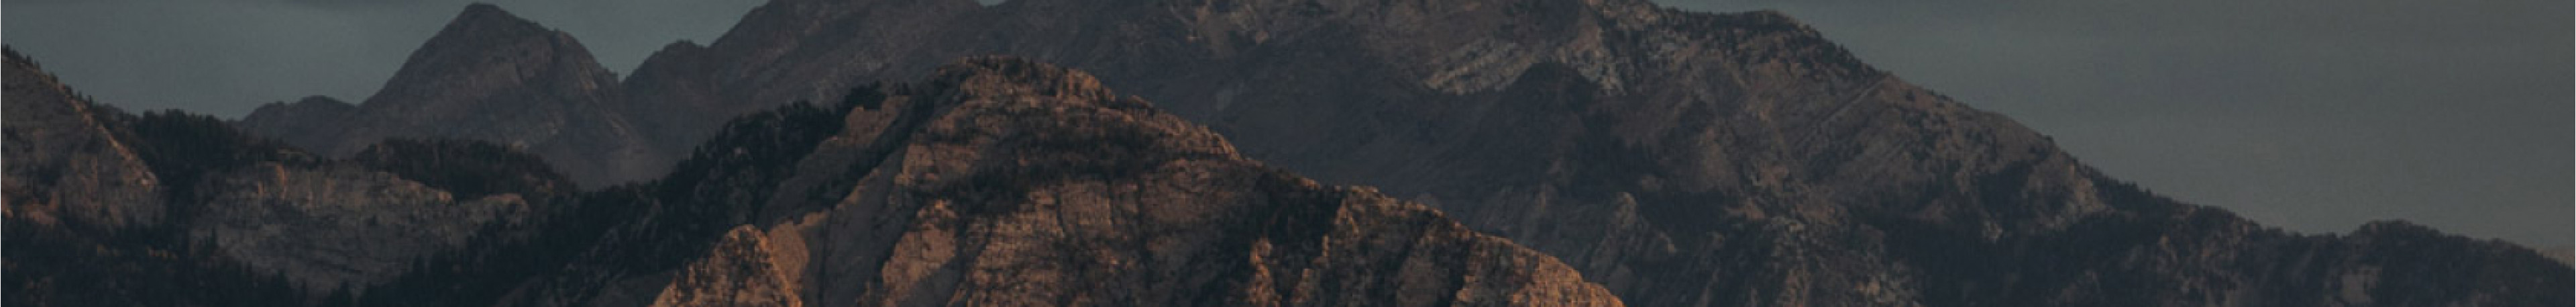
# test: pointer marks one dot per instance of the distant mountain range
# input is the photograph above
(1483, 152)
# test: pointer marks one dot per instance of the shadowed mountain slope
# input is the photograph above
(1677, 158)
(487, 76)
(1680, 158)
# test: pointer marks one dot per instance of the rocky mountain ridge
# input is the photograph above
(1677, 158)
(491, 76)
(999, 181)
(167, 208)
(1006, 182)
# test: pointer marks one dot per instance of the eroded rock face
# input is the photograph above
(744, 269)
(1007, 182)
(491, 76)
(340, 226)
(63, 165)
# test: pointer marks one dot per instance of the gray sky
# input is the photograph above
(2310, 115)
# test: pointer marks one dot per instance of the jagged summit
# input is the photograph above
(485, 10)
(490, 76)
(485, 47)
(487, 15)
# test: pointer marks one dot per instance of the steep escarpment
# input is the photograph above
(1006, 182)
(64, 166)
(488, 76)
(1679, 158)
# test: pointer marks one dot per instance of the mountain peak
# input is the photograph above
(484, 8)
(482, 14)
(492, 76)
(485, 47)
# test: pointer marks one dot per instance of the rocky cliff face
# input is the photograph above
(64, 167)
(1006, 182)
(337, 227)
(493, 77)
(1680, 158)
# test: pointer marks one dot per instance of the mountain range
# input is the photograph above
(1480, 152)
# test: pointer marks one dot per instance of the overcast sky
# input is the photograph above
(2310, 115)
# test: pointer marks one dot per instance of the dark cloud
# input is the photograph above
(2313, 115)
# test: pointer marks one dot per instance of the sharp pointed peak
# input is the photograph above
(484, 34)
(484, 10)
(487, 20)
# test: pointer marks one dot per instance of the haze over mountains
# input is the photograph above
(1537, 152)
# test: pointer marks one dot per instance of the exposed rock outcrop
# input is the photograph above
(1006, 182)
(63, 165)
(337, 227)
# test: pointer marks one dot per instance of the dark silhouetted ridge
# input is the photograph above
(490, 76)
